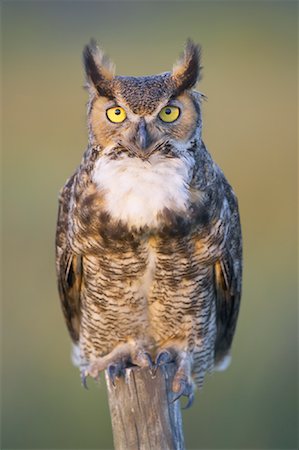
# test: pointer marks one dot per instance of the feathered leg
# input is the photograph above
(123, 356)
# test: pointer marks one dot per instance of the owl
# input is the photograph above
(148, 244)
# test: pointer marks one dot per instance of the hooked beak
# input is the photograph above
(142, 136)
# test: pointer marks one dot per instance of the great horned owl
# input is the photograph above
(148, 234)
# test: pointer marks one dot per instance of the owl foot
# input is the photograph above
(117, 362)
(164, 357)
(182, 384)
(116, 370)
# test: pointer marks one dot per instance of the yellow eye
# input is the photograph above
(169, 113)
(116, 114)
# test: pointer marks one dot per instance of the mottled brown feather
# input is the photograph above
(69, 268)
(228, 274)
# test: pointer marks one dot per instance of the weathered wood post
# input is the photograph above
(143, 414)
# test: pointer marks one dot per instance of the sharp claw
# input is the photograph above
(179, 394)
(190, 401)
(149, 359)
(163, 357)
(186, 390)
(116, 370)
(84, 379)
(176, 398)
(112, 373)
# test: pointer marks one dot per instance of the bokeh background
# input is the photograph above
(250, 78)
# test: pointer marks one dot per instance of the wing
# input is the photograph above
(68, 267)
(228, 274)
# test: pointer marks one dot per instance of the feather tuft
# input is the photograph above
(186, 71)
(99, 69)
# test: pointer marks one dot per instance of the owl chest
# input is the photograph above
(135, 192)
(138, 277)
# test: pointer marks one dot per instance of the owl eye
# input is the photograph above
(169, 113)
(116, 114)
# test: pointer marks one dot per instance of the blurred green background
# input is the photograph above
(250, 78)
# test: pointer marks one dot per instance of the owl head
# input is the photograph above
(139, 116)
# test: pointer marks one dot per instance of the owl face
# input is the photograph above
(114, 122)
(140, 116)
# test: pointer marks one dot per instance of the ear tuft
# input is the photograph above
(186, 72)
(99, 69)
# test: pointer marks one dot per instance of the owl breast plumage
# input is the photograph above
(148, 234)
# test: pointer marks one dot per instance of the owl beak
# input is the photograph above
(142, 136)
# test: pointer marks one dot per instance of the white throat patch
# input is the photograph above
(135, 191)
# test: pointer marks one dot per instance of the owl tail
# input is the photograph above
(223, 364)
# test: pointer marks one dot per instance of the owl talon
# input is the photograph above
(187, 390)
(149, 360)
(115, 371)
(189, 402)
(84, 375)
(163, 357)
(111, 373)
(182, 384)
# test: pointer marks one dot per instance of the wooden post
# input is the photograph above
(142, 413)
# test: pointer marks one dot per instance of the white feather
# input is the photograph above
(223, 364)
(135, 191)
